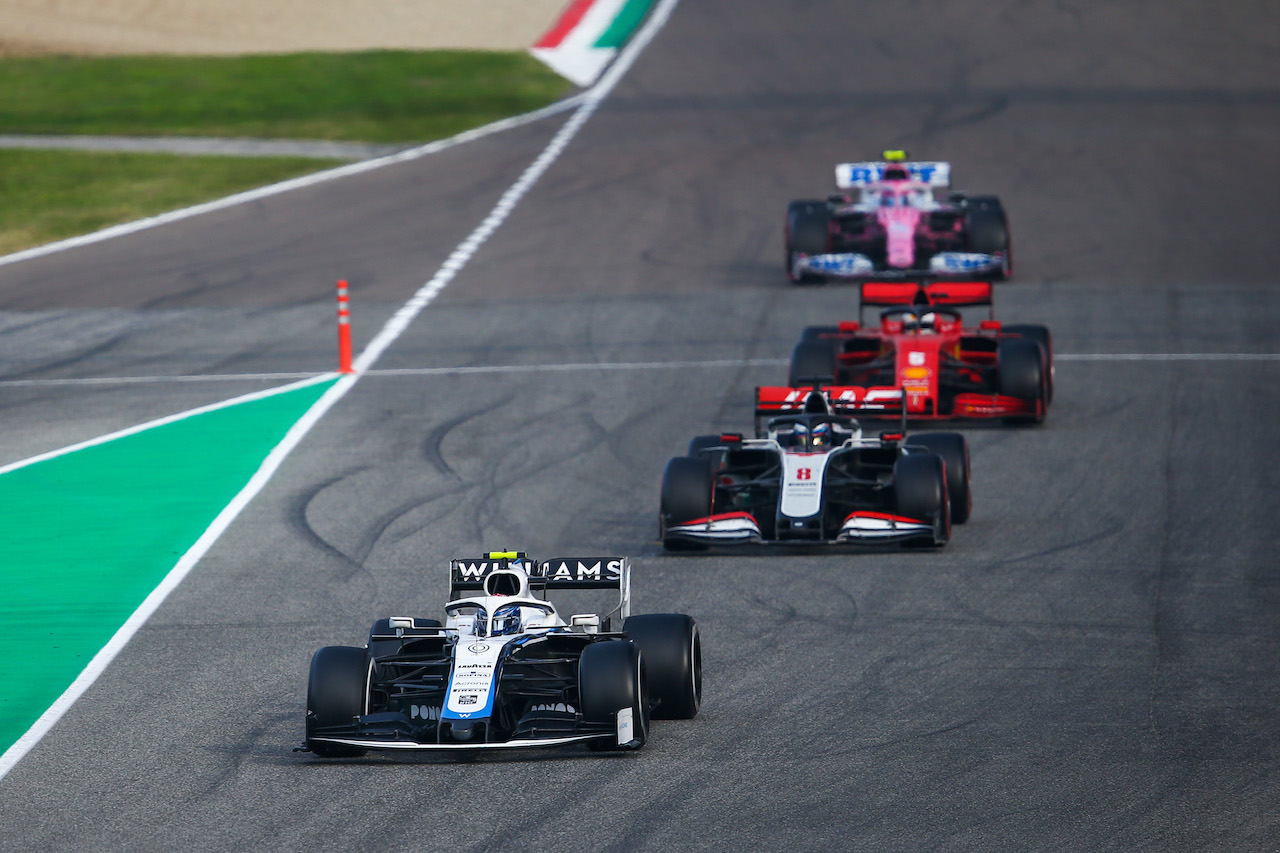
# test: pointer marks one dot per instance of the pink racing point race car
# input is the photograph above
(811, 477)
(920, 362)
(887, 222)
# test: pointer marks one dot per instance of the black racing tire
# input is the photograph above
(987, 230)
(807, 232)
(688, 492)
(672, 651)
(814, 333)
(611, 677)
(920, 491)
(337, 690)
(1021, 368)
(1039, 333)
(813, 361)
(953, 449)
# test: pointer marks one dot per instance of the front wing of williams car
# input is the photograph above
(532, 700)
(421, 685)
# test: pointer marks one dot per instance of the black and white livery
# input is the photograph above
(812, 477)
(506, 670)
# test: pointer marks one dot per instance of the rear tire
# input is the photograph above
(688, 491)
(1021, 365)
(806, 233)
(337, 690)
(672, 650)
(920, 491)
(953, 449)
(611, 677)
(813, 361)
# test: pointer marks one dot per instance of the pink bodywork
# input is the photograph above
(900, 218)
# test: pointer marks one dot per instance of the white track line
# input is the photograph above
(1168, 356)
(590, 101)
(584, 366)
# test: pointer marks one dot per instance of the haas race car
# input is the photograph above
(811, 477)
(506, 670)
(921, 362)
(887, 223)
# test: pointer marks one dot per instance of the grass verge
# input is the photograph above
(376, 96)
(51, 195)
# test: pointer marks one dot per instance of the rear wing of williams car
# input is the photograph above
(855, 175)
(467, 575)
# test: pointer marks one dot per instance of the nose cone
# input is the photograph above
(900, 235)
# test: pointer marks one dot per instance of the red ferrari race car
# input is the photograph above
(888, 223)
(921, 362)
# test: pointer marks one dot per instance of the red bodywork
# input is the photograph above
(918, 357)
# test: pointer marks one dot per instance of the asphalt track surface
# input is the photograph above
(1091, 664)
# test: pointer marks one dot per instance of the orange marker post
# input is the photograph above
(344, 330)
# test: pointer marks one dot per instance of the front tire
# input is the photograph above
(611, 678)
(672, 650)
(337, 690)
(987, 230)
(688, 492)
(953, 449)
(920, 491)
(807, 233)
(1021, 367)
(1035, 332)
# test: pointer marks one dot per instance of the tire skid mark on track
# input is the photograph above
(301, 522)
(78, 357)
(431, 445)
(616, 441)
(242, 753)
(503, 474)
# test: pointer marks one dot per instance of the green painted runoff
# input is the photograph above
(90, 534)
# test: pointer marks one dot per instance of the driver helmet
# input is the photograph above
(792, 435)
(820, 436)
(928, 321)
(506, 620)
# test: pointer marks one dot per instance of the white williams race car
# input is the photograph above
(506, 670)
